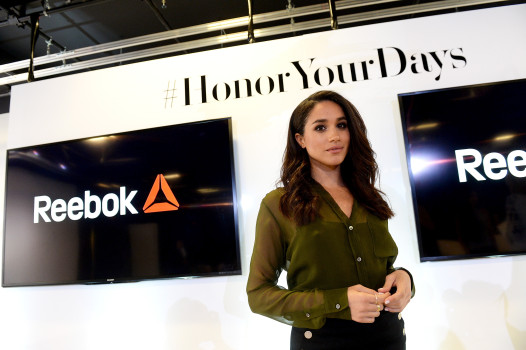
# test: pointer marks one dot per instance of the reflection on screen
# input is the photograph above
(466, 150)
(153, 203)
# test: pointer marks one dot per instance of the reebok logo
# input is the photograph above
(160, 184)
(92, 206)
(494, 165)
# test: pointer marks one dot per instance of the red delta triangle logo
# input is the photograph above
(160, 184)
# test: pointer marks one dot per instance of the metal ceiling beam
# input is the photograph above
(240, 36)
(415, 9)
(332, 12)
(189, 31)
(250, 30)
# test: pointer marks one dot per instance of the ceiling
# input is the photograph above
(92, 34)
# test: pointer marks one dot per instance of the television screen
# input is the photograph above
(154, 203)
(466, 151)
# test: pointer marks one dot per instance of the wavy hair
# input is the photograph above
(359, 168)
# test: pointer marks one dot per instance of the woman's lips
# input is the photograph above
(334, 149)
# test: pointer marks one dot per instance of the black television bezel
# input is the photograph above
(234, 272)
(412, 180)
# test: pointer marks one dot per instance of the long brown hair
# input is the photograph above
(359, 169)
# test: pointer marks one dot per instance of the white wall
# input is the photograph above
(471, 304)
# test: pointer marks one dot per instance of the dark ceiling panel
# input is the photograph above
(10, 3)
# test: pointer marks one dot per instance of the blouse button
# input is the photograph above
(359, 259)
(307, 314)
(308, 334)
(338, 306)
(351, 228)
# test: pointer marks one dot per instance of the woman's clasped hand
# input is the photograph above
(365, 303)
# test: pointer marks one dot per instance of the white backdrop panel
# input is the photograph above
(474, 304)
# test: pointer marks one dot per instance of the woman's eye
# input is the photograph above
(342, 125)
(319, 127)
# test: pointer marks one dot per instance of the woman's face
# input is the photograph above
(326, 135)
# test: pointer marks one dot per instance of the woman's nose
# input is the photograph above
(334, 138)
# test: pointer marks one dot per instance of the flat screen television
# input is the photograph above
(146, 204)
(466, 154)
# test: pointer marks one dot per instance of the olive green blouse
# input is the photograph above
(322, 260)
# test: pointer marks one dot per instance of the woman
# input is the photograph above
(327, 227)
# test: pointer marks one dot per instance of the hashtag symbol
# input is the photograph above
(169, 95)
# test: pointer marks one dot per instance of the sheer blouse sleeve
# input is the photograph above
(305, 309)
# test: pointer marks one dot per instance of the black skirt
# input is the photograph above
(386, 333)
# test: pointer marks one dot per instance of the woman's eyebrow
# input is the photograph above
(325, 120)
(319, 121)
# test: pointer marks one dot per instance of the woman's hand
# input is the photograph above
(365, 303)
(399, 300)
